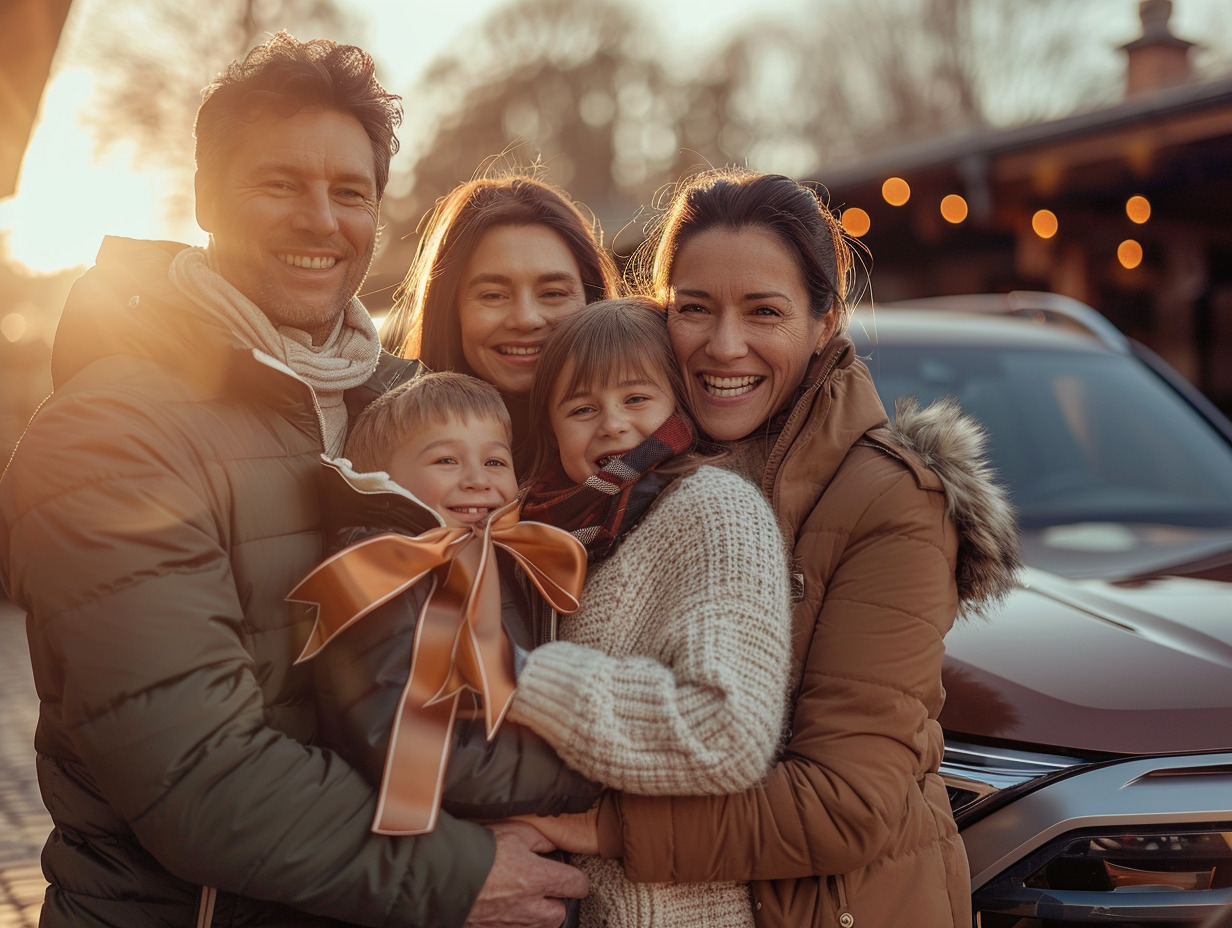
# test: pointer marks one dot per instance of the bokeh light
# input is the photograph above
(896, 191)
(13, 327)
(1044, 222)
(953, 208)
(1129, 253)
(1138, 209)
(856, 221)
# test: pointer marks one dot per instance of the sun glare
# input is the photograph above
(66, 199)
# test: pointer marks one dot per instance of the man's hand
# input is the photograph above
(578, 832)
(524, 890)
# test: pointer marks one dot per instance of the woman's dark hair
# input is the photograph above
(608, 341)
(284, 75)
(424, 321)
(737, 199)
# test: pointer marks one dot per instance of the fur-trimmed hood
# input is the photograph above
(952, 445)
(892, 532)
(840, 410)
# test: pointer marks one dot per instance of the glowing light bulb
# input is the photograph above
(1129, 253)
(896, 191)
(1044, 222)
(856, 221)
(954, 208)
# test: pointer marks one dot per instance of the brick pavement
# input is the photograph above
(24, 822)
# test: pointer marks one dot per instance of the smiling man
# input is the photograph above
(162, 504)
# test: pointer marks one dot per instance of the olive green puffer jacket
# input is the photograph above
(154, 516)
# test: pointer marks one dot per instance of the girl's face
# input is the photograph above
(519, 282)
(594, 425)
(741, 328)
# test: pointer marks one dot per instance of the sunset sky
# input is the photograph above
(62, 175)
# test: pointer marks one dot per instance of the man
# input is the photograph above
(162, 504)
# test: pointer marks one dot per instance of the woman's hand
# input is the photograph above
(578, 832)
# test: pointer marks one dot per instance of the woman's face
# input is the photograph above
(739, 320)
(519, 282)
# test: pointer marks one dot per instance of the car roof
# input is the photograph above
(1020, 320)
(885, 326)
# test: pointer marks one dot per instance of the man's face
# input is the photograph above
(293, 216)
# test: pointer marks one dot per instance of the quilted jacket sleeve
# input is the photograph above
(879, 597)
(117, 542)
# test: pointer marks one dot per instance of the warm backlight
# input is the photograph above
(13, 327)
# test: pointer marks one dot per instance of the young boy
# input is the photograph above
(444, 438)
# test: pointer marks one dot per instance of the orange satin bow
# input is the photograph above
(459, 642)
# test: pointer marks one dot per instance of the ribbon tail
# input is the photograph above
(409, 799)
(484, 653)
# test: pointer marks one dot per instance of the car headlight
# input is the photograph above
(981, 778)
(1136, 842)
(1137, 876)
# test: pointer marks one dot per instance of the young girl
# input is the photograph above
(670, 678)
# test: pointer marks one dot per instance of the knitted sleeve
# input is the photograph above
(688, 695)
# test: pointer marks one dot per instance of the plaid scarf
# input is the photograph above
(604, 509)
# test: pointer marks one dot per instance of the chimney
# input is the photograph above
(1156, 59)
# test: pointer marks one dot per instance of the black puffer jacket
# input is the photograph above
(158, 509)
(360, 674)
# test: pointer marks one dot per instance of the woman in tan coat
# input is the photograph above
(892, 532)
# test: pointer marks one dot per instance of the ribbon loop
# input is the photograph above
(459, 646)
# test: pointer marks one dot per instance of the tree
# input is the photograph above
(567, 85)
(858, 75)
(580, 87)
(153, 57)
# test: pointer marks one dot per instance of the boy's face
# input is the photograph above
(595, 425)
(462, 468)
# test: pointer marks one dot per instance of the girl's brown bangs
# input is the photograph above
(598, 363)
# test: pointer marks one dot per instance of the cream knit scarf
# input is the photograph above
(345, 359)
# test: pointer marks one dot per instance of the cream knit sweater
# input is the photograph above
(670, 679)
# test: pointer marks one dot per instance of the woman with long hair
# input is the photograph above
(892, 531)
(501, 261)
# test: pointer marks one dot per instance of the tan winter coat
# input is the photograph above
(852, 827)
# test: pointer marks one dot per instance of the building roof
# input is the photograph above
(1187, 102)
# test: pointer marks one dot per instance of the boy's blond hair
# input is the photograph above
(429, 399)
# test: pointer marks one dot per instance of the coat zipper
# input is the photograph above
(839, 885)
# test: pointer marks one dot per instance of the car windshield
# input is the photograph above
(1078, 437)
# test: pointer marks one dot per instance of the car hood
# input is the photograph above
(1138, 663)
